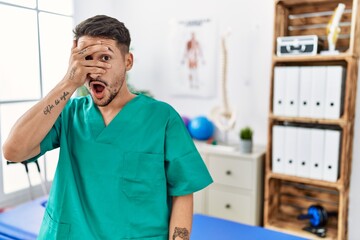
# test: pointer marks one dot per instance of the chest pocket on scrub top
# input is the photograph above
(144, 174)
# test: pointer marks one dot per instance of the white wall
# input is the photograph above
(88, 8)
(250, 48)
(249, 54)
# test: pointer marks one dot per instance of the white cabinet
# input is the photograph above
(237, 191)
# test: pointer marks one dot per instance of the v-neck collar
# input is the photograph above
(103, 133)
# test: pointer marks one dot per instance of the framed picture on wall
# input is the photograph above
(193, 54)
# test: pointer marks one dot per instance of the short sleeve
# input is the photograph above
(185, 170)
(51, 140)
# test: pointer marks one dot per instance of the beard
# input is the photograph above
(110, 92)
(107, 99)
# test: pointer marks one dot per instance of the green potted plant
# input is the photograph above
(246, 135)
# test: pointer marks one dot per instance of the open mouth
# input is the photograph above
(97, 87)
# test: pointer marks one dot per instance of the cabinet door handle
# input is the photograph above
(228, 172)
(228, 206)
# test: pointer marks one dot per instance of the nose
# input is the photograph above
(94, 77)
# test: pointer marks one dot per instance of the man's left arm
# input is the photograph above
(181, 217)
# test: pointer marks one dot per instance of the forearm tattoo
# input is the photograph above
(49, 108)
(182, 233)
(72, 73)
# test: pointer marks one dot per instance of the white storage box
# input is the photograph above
(298, 45)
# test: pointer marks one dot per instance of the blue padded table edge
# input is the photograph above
(212, 228)
(23, 221)
(13, 233)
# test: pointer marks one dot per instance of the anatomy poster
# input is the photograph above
(194, 58)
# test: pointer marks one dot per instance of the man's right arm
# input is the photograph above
(26, 135)
(28, 132)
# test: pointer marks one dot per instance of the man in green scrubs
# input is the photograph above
(127, 167)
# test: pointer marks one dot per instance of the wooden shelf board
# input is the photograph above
(295, 228)
(340, 122)
(335, 185)
(315, 58)
(289, 3)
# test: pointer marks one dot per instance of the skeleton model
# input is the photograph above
(224, 116)
(333, 28)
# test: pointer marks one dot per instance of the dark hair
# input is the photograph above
(106, 27)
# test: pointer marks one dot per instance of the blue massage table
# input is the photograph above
(23, 222)
(211, 228)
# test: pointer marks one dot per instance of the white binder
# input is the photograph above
(292, 92)
(333, 92)
(318, 92)
(278, 147)
(317, 153)
(279, 91)
(303, 152)
(305, 91)
(290, 151)
(331, 155)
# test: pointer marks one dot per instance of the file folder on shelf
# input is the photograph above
(292, 92)
(305, 91)
(317, 153)
(278, 142)
(279, 91)
(334, 92)
(303, 152)
(290, 150)
(331, 155)
(318, 92)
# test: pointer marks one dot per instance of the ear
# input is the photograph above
(129, 59)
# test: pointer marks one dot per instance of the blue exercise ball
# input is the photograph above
(201, 128)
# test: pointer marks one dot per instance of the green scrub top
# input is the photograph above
(117, 181)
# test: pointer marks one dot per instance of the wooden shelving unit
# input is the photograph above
(288, 196)
(316, 58)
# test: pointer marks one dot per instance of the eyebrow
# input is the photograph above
(110, 50)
